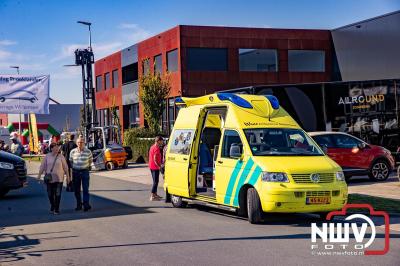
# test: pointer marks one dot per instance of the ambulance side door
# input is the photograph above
(228, 166)
(182, 154)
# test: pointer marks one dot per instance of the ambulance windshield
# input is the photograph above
(281, 142)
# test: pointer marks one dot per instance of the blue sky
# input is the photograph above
(40, 36)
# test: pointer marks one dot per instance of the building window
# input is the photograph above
(158, 64)
(115, 78)
(207, 59)
(171, 115)
(106, 117)
(107, 81)
(260, 60)
(135, 115)
(146, 66)
(172, 60)
(99, 83)
(130, 73)
(306, 60)
(231, 138)
(177, 109)
(164, 122)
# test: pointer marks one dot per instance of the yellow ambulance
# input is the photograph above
(245, 153)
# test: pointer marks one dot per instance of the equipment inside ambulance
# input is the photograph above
(244, 153)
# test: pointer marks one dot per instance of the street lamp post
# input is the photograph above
(19, 124)
(90, 32)
(16, 67)
(85, 58)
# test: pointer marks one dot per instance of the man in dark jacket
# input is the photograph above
(67, 148)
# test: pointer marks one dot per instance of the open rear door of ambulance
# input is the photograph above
(182, 157)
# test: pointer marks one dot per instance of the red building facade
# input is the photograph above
(204, 59)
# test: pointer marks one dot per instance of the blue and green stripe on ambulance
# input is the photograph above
(249, 174)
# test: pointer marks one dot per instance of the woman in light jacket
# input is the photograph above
(54, 186)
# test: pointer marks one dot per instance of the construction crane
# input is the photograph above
(85, 59)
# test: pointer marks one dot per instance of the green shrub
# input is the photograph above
(140, 141)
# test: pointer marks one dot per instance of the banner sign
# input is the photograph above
(24, 94)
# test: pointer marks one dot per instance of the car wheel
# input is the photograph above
(3, 192)
(2, 99)
(110, 166)
(379, 171)
(177, 202)
(125, 165)
(254, 211)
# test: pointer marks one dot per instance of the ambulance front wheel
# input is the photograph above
(254, 210)
(177, 202)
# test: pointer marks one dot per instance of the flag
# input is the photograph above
(33, 134)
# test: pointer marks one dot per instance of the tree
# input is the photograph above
(154, 89)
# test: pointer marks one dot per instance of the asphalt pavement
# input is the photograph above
(125, 228)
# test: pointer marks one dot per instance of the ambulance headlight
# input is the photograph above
(274, 177)
(340, 176)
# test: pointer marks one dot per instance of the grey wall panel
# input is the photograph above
(61, 116)
(369, 50)
(129, 55)
(130, 93)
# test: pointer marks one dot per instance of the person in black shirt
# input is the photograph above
(67, 148)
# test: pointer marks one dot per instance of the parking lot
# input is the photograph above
(125, 228)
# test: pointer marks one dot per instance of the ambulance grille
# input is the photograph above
(306, 178)
(317, 193)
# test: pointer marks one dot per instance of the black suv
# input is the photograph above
(12, 172)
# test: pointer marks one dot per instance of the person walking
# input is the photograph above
(67, 148)
(16, 146)
(163, 156)
(55, 167)
(81, 159)
(2, 145)
(155, 165)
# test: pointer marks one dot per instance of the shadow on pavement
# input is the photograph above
(19, 249)
(12, 245)
(30, 206)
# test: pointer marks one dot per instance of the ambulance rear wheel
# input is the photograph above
(110, 166)
(254, 211)
(177, 202)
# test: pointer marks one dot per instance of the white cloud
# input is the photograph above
(127, 35)
(128, 26)
(7, 42)
(132, 33)
(67, 73)
(26, 62)
(4, 54)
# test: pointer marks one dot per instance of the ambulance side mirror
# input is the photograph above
(235, 151)
(324, 148)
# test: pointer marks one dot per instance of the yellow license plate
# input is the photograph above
(318, 200)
